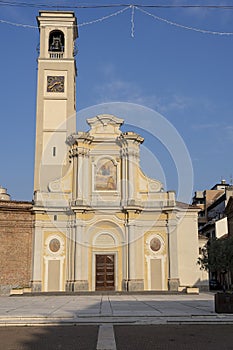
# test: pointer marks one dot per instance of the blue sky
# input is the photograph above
(184, 75)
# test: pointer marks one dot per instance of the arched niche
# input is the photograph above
(56, 41)
(105, 239)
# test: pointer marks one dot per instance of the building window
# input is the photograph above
(54, 151)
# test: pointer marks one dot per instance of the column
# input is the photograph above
(70, 256)
(131, 176)
(74, 179)
(80, 175)
(86, 174)
(135, 259)
(80, 283)
(37, 259)
(173, 271)
(124, 181)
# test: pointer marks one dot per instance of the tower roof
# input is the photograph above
(58, 16)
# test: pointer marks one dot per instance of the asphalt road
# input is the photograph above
(49, 338)
(128, 337)
(174, 337)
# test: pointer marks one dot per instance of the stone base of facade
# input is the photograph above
(5, 289)
(69, 286)
(81, 286)
(135, 285)
(173, 284)
(36, 286)
(77, 286)
(124, 285)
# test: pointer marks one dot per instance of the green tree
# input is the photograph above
(217, 257)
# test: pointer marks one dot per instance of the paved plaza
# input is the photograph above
(113, 322)
(117, 309)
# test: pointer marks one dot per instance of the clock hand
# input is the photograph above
(54, 84)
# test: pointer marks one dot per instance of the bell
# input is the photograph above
(56, 44)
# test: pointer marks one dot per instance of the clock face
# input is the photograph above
(55, 83)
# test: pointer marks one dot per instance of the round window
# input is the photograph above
(54, 245)
(155, 244)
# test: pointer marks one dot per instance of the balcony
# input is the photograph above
(56, 55)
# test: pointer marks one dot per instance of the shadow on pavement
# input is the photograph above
(49, 338)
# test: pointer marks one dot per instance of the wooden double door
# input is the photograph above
(105, 277)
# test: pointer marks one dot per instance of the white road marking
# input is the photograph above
(106, 338)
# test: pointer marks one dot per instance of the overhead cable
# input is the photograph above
(91, 6)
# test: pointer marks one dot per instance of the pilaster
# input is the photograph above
(173, 272)
(37, 256)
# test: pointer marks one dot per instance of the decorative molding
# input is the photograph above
(104, 120)
(160, 252)
(47, 249)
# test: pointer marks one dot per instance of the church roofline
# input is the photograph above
(56, 12)
(130, 135)
(183, 205)
(16, 205)
(105, 119)
(79, 136)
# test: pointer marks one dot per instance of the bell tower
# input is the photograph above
(55, 121)
(56, 101)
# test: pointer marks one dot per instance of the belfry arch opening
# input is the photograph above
(56, 41)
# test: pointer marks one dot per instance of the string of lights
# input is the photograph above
(104, 17)
(79, 25)
(132, 20)
(18, 24)
(203, 31)
(91, 6)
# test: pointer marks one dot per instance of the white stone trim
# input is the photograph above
(37, 253)
(60, 252)
(148, 260)
(154, 254)
(46, 264)
(49, 255)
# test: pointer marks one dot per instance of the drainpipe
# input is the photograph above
(127, 248)
(168, 247)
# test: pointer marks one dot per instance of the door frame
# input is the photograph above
(101, 252)
(46, 275)
(163, 259)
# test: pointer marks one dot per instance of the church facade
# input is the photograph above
(100, 223)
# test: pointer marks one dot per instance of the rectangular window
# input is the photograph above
(54, 151)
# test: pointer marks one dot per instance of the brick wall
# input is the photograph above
(16, 224)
